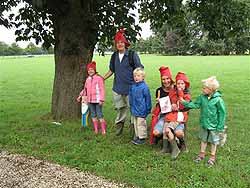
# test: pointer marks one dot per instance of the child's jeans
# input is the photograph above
(96, 110)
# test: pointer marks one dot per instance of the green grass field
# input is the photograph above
(25, 126)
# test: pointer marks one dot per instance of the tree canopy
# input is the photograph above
(200, 27)
(37, 18)
(223, 20)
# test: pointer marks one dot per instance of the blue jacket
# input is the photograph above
(123, 73)
(140, 99)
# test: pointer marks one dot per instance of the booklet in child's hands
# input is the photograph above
(165, 104)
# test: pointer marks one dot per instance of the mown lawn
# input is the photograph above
(25, 124)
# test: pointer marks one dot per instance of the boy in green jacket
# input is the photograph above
(212, 117)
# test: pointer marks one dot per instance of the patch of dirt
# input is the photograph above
(19, 171)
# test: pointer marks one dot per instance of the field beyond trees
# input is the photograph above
(26, 125)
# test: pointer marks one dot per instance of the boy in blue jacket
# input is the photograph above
(140, 105)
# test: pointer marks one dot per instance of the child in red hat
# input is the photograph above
(167, 84)
(94, 94)
(175, 120)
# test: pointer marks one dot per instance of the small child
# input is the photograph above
(212, 117)
(94, 94)
(140, 105)
(175, 120)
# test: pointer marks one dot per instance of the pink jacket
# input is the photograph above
(94, 89)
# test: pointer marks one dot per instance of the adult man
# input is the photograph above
(122, 64)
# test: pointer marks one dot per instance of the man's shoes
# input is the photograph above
(119, 128)
(138, 141)
(132, 130)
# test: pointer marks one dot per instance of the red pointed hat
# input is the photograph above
(119, 36)
(182, 76)
(165, 71)
(92, 65)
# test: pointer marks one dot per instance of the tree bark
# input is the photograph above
(75, 37)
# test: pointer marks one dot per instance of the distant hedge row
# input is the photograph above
(31, 49)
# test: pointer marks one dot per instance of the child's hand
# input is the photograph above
(79, 98)
(180, 93)
(157, 100)
(181, 99)
(84, 99)
(174, 107)
(101, 103)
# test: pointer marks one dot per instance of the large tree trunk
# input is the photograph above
(75, 39)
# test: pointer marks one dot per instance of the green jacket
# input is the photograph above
(213, 111)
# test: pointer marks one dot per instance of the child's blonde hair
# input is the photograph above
(211, 83)
(139, 70)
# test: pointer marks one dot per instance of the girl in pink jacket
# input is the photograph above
(94, 94)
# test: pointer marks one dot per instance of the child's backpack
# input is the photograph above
(130, 59)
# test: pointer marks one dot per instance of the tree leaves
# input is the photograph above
(222, 20)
